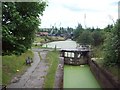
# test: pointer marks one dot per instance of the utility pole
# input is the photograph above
(85, 20)
(110, 17)
(119, 10)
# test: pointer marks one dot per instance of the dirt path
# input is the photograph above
(34, 76)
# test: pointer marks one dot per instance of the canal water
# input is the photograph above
(79, 77)
(75, 76)
(68, 44)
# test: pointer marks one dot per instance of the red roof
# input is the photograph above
(42, 33)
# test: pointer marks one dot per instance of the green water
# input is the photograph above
(79, 77)
(75, 76)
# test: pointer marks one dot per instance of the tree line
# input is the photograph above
(89, 36)
(108, 39)
(61, 31)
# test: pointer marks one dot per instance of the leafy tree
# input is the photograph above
(98, 38)
(77, 32)
(85, 38)
(62, 30)
(112, 47)
(108, 28)
(69, 30)
(20, 20)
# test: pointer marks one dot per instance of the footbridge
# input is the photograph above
(76, 56)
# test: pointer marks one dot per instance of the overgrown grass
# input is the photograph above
(53, 59)
(10, 65)
(44, 39)
(98, 51)
(39, 41)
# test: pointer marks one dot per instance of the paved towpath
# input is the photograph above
(34, 76)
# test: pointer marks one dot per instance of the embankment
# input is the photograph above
(105, 78)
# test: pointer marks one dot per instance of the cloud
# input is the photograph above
(71, 12)
(114, 3)
(78, 9)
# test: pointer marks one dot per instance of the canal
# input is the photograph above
(75, 76)
(68, 44)
(79, 77)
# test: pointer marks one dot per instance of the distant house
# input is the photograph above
(42, 34)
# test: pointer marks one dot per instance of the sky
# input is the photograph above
(89, 13)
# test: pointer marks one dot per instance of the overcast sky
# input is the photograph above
(92, 13)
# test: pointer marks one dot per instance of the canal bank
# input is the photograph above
(104, 77)
(92, 71)
(82, 76)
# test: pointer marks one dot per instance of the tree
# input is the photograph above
(85, 38)
(108, 28)
(98, 38)
(77, 32)
(20, 20)
(112, 47)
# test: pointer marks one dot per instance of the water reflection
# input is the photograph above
(68, 44)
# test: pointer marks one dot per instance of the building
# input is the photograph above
(42, 34)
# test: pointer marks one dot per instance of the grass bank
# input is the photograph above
(44, 39)
(10, 65)
(39, 41)
(98, 53)
(53, 59)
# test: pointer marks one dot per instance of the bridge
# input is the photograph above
(76, 56)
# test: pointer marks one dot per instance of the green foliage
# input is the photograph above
(97, 51)
(77, 32)
(98, 38)
(108, 28)
(105, 42)
(112, 47)
(85, 38)
(91, 36)
(20, 20)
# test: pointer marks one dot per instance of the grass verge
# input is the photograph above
(98, 52)
(53, 59)
(10, 65)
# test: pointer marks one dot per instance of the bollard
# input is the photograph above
(55, 47)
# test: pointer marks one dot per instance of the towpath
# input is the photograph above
(35, 74)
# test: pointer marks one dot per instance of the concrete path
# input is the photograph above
(59, 74)
(34, 76)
